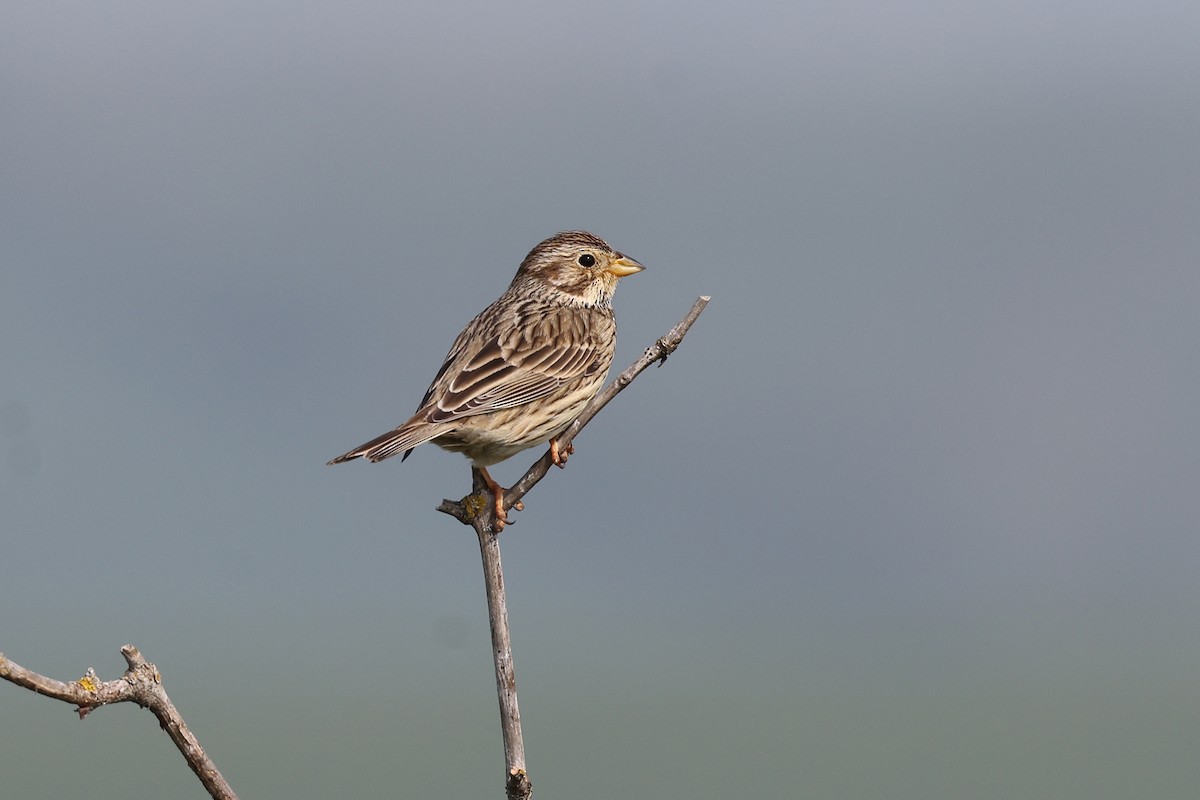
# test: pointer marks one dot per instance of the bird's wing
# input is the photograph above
(517, 366)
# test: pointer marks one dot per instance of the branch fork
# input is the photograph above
(141, 684)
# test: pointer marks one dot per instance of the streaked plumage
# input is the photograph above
(525, 367)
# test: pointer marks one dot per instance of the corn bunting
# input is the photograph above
(522, 370)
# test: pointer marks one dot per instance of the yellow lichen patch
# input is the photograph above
(475, 504)
(89, 683)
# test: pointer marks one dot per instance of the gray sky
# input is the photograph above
(912, 513)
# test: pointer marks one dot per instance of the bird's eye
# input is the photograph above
(587, 260)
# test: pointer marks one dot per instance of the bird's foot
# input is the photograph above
(498, 500)
(559, 455)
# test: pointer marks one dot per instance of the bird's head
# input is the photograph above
(579, 265)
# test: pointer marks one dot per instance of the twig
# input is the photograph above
(477, 510)
(141, 684)
(466, 512)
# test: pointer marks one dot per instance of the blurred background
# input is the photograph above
(912, 513)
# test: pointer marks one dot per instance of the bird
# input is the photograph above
(524, 368)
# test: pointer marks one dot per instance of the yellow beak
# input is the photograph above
(624, 266)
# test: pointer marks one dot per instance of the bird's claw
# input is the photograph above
(558, 456)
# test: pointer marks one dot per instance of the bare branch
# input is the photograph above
(477, 510)
(141, 684)
(517, 785)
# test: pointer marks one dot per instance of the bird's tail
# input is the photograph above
(405, 438)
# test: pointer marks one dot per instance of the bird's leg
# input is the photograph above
(559, 457)
(497, 499)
